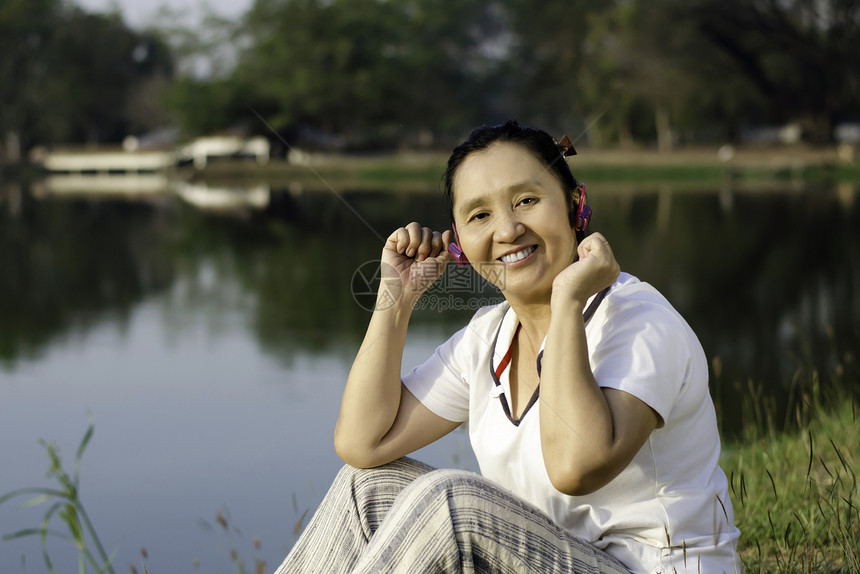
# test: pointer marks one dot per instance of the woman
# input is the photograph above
(610, 465)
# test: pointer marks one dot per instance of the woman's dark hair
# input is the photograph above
(537, 141)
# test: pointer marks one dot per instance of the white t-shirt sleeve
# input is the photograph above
(645, 351)
(440, 383)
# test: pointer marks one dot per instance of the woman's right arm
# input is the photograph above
(380, 420)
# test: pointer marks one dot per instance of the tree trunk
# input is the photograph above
(664, 129)
(625, 136)
(594, 135)
(819, 129)
(13, 147)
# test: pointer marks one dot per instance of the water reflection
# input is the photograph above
(768, 280)
(223, 198)
(135, 186)
(67, 265)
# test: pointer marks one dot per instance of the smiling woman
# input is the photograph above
(585, 392)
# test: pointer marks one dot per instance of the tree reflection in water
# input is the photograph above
(769, 281)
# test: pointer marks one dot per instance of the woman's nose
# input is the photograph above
(508, 228)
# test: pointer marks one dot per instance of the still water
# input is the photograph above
(211, 349)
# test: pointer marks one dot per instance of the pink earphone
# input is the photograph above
(456, 251)
(579, 221)
(583, 211)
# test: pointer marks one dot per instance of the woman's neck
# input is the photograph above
(534, 322)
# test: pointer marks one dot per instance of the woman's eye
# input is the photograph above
(528, 201)
(478, 216)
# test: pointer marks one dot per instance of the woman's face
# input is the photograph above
(512, 221)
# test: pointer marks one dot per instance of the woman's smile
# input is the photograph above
(518, 255)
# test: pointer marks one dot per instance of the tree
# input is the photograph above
(376, 73)
(664, 76)
(97, 65)
(362, 71)
(550, 51)
(800, 55)
(68, 75)
(24, 28)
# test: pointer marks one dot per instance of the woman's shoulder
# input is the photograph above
(631, 299)
(487, 319)
(478, 333)
(482, 326)
(630, 292)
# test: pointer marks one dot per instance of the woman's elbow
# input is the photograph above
(347, 450)
(577, 481)
(352, 453)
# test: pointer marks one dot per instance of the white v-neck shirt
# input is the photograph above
(669, 508)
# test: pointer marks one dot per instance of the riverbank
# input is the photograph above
(795, 494)
(759, 167)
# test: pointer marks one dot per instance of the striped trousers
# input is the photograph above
(405, 517)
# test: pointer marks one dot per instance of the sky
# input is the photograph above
(140, 13)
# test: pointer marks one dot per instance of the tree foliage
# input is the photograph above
(69, 75)
(383, 70)
(801, 56)
(618, 70)
(370, 73)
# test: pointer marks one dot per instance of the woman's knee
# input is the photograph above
(395, 475)
(452, 478)
(455, 487)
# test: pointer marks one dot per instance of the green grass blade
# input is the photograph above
(107, 566)
(35, 501)
(92, 532)
(772, 484)
(43, 531)
(31, 490)
(81, 448)
(34, 532)
(47, 558)
(56, 467)
(69, 515)
(21, 534)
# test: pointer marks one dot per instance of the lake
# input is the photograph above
(210, 343)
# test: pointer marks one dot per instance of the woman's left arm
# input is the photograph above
(588, 434)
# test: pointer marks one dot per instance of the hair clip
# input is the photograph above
(566, 146)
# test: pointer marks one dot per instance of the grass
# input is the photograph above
(223, 520)
(77, 529)
(423, 171)
(795, 494)
(67, 508)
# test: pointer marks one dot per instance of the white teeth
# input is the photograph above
(518, 255)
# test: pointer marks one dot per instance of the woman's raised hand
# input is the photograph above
(595, 269)
(413, 259)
